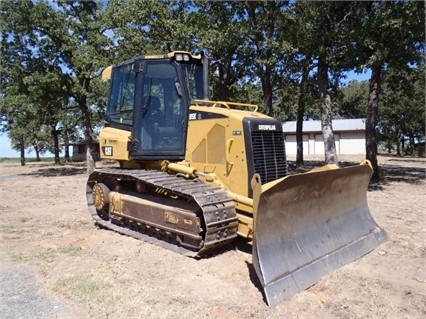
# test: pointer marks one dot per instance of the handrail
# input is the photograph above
(228, 151)
(228, 105)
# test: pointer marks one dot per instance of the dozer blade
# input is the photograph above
(307, 225)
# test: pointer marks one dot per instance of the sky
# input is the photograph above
(7, 151)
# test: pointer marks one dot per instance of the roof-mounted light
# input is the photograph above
(182, 57)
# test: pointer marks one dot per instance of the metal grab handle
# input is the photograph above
(228, 149)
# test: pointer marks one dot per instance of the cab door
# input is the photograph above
(161, 116)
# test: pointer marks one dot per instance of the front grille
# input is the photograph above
(269, 155)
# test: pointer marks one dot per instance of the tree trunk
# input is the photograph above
(87, 126)
(223, 87)
(299, 139)
(398, 143)
(267, 92)
(412, 142)
(326, 114)
(88, 139)
(389, 146)
(66, 148)
(372, 120)
(36, 150)
(22, 149)
(90, 148)
(55, 135)
(299, 119)
(403, 145)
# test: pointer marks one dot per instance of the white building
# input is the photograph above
(349, 135)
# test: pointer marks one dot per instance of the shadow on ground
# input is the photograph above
(394, 173)
(389, 173)
(57, 171)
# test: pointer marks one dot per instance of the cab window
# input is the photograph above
(122, 96)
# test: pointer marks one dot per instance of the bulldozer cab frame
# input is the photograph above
(150, 97)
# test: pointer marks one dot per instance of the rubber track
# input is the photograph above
(210, 200)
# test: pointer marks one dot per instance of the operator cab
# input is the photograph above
(150, 97)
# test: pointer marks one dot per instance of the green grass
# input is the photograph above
(18, 257)
(48, 255)
(87, 287)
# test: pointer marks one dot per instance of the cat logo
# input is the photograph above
(107, 150)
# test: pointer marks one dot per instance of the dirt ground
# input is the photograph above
(54, 263)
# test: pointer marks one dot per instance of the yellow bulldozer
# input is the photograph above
(195, 173)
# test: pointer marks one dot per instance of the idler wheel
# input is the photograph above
(100, 197)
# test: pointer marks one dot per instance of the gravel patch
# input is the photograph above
(21, 296)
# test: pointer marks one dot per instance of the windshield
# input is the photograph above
(193, 76)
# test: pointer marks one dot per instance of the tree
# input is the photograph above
(301, 107)
(17, 118)
(22, 123)
(48, 106)
(66, 44)
(266, 47)
(351, 99)
(147, 27)
(320, 33)
(402, 109)
(216, 29)
(160, 26)
(85, 53)
(401, 21)
(276, 53)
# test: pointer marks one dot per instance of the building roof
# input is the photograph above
(339, 125)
